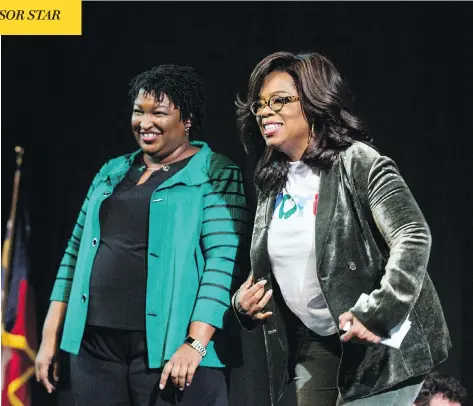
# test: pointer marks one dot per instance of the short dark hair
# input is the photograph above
(181, 84)
(444, 385)
(326, 103)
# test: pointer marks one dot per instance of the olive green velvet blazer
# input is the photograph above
(372, 245)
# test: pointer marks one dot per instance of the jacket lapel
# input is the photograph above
(259, 245)
(328, 197)
(121, 165)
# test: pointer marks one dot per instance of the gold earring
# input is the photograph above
(311, 132)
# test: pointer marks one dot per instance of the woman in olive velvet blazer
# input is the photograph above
(339, 250)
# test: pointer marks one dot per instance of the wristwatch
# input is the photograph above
(196, 345)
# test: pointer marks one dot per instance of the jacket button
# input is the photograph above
(351, 266)
(84, 298)
(94, 242)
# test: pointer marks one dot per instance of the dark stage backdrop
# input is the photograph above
(409, 65)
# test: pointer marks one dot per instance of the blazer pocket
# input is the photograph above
(415, 347)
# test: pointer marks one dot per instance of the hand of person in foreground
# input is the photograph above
(45, 360)
(181, 367)
(251, 299)
(356, 330)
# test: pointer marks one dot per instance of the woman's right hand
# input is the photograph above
(251, 299)
(46, 359)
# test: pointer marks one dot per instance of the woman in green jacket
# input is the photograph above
(143, 291)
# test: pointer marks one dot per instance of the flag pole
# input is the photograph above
(7, 248)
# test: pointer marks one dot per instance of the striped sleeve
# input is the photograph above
(225, 227)
(62, 285)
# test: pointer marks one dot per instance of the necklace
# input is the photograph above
(165, 168)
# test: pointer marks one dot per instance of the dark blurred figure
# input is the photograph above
(441, 390)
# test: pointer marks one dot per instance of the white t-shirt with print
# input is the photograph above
(291, 247)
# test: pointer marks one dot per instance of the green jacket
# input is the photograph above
(197, 221)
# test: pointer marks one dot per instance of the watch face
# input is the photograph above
(196, 345)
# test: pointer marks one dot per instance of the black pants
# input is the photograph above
(111, 370)
(314, 361)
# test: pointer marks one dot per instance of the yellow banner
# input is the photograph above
(40, 17)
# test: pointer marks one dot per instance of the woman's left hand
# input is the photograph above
(357, 329)
(181, 367)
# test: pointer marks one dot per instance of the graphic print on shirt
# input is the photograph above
(287, 205)
(291, 248)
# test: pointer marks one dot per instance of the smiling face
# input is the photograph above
(286, 130)
(157, 125)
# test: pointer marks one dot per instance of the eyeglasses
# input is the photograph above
(276, 103)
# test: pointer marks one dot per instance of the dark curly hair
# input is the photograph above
(326, 104)
(438, 384)
(182, 85)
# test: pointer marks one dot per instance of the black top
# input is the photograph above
(118, 279)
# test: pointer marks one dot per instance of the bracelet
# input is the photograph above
(196, 345)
